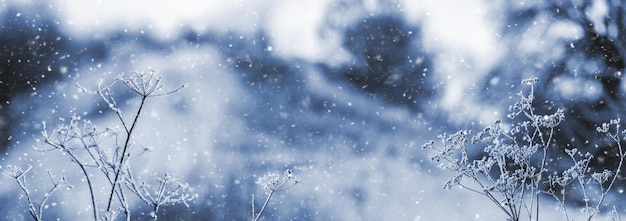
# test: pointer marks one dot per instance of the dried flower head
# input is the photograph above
(274, 182)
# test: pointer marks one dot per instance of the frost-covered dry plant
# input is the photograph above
(271, 183)
(19, 175)
(513, 172)
(579, 174)
(109, 152)
(168, 192)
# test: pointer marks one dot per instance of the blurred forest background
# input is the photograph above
(343, 92)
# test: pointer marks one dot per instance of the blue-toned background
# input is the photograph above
(343, 92)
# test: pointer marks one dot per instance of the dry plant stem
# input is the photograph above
(145, 84)
(615, 138)
(253, 211)
(129, 133)
(21, 181)
(86, 175)
(545, 143)
(56, 185)
(69, 134)
(614, 215)
(258, 215)
(19, 176)
(168, 192)
(272, 183)
(562, 204)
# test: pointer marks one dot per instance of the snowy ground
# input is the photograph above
(358, 157)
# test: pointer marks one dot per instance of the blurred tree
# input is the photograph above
(30, 55)
(387, 61)
(33, 51)
(386, 64)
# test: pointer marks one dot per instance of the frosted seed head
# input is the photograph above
(530, 81)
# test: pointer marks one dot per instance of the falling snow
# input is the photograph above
(340, 93)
